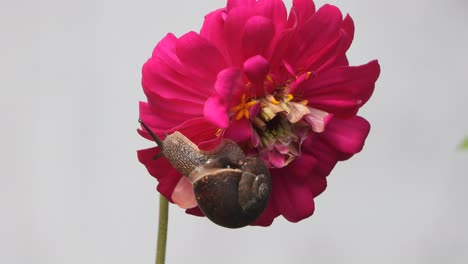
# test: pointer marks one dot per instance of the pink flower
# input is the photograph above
(278, 84)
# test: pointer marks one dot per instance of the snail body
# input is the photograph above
(231, 189)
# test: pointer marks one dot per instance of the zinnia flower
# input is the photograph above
(278, 84)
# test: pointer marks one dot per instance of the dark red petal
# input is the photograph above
(257, 37)
(326, 155)
(295, 200)
(347, 135)
(318, 32)
(301, 11)
(195, 211)
(199, 55)
(268, 215)
(342, 90)
(160, 168)
(239, 130)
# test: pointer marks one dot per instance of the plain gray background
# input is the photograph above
(72, 190)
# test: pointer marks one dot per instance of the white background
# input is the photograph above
(72, 190)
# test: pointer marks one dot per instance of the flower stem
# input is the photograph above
(162, 230)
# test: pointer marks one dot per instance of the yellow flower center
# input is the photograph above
(243, 109)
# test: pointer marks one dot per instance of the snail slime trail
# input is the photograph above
(231, 189)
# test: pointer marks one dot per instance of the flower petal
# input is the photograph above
(258, 33)
(160, 168)
(183, 194)
(341, 90)
(347, 135)
(294, 200)
(301, 11)
(193, 51)
(213, 30)
(256, 69)
(239, 130)
(321, 29)
(235, 3)
(216, 111)
(233, 28)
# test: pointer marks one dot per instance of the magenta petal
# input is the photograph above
(193, 51)
(256, 69)
(321, 29)
(233, 29)
(227, 81)
(301, 11)
(216, 111)
(347, 135)
(294, 200)
(239, 130)
(213, 30)
(235, 3)
(258, 33)
(341, 90)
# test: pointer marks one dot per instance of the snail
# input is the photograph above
(231, 189)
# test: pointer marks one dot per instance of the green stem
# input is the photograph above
(162, 230)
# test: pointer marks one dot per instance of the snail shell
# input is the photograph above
(231, 189)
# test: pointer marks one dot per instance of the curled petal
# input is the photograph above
(183, 194)
(256, 70)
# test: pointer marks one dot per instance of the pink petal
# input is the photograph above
(256, 70)
(227, 81)
(216, 108)
(275, 10)
(183, 194)
(258, 33)
(239, 130)
(317, 119)
(341, 90)
(193, 51)
(213, 30)
(347, 135)
(276, 159)
(216, 111)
